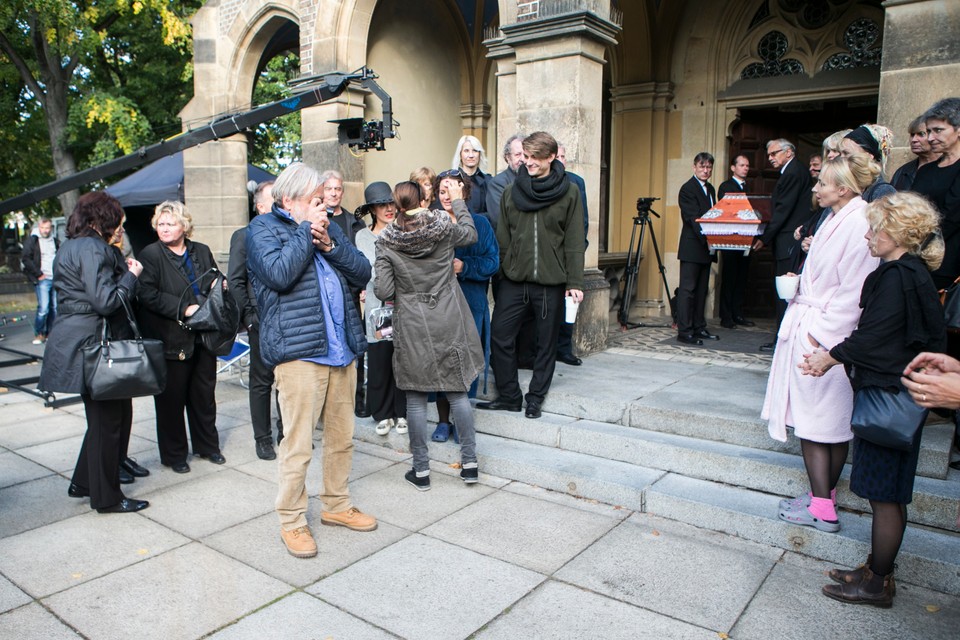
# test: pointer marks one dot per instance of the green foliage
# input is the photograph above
(276, 143)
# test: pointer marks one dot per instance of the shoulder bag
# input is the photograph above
(950, 298)
(218, 317)
(886, 418)
(121, 369)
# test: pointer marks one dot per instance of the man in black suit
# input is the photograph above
(734, 266)
(791, 207)
(697, 196)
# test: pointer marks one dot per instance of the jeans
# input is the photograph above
(417, 417)
(46, 306)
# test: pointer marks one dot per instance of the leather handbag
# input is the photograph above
(217, 319)
(122, 369)
(950, 299)
(887, 418)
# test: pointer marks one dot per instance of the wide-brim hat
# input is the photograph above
(375, 193)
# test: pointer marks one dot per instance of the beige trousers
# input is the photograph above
(309, 392)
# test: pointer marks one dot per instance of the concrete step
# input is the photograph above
(771, 472)
(930, 557)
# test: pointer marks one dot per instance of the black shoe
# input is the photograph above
(215, 458)
(179, 467)
(130, 466)
(279, 438)
(127, 505)
(689, 339)
(470, 475)
(265, 450)
(422, 484)
(706, 335)
(570, 359)
(361, 411)
(743, 322)
(767, 346)
(125, 476)
(533, 409)
(500, 405)
(728, 324)
(76, 491)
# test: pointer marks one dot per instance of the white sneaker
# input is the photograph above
(37, 340)
(383, 427)
(402, 426)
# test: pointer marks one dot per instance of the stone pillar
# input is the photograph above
(921, 63)
(559, 60)
(506, 99)
(641, 118)
(321, 148)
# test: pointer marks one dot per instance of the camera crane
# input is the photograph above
(313, 90)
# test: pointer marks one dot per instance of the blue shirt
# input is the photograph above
(338, 353)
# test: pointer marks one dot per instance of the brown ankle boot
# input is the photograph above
(857, 593)
(854, 576)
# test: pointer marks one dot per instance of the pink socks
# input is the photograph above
(823, 508)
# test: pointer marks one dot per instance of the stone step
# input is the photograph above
(771, 472)
(929, 558)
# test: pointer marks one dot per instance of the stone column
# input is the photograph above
(506, 99)
(921, 63)
(321, 148)
(559, 60)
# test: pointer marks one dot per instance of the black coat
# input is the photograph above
(728, 186)
(89, 274)
(239, 280)
(693, 204)
(791, 208)
(31, 258)
(162, 282)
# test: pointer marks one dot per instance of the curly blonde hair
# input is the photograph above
(179, 212)
(912, 222)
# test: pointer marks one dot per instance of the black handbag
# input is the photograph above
(950, 298)
(217, 319)
(886, 418)
(122, 369)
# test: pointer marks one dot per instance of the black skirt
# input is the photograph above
(882, 474)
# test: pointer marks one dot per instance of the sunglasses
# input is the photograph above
(450, 173)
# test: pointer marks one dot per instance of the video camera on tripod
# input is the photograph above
(641, 220)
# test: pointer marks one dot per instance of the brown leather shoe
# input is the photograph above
(352, 518)
(856, 593)
(854, 576)
(300, 542)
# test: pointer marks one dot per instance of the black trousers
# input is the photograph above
(514, 301)
(190, 384)
(261, 383)
(98, 465)
(734, 269)
(384, 399)
(692, 297)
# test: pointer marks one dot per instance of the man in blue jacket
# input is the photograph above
(303, 269)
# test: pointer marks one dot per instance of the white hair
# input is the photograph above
(475, 143)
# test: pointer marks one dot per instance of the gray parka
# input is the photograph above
(436, 346)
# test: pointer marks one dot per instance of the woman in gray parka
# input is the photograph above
(436, 345)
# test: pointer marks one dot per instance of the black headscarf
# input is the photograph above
(864, 138)
(533, 194)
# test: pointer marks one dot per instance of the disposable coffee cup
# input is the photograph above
(787, 286)
(571, 310)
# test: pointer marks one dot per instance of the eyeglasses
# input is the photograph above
(771, 154)
(450, 173)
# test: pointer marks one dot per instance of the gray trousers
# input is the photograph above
(417, 419)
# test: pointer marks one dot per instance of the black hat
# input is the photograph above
(375, 193)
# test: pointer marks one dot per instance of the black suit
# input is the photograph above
(734, 268)
(791, 208)
(695, 258)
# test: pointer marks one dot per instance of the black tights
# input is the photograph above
(889, 523)
(443, 409)
(824, 462)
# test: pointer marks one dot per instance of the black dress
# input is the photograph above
(901, 317)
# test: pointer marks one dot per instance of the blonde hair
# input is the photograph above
(912, 222)
(423, 174)
(832, 142)
(179, 213)
(855, 173)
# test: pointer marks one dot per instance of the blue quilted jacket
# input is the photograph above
(280, 262)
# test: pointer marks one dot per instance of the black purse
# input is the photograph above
(218, 317)
(950, 298)
(886, 418)
(122, 369)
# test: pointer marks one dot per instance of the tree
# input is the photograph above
(92, 64)
(276, 143)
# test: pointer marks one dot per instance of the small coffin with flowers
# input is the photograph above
(735, 221)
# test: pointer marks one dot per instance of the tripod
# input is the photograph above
(641, 220)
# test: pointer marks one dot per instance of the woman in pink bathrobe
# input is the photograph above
(825, 311)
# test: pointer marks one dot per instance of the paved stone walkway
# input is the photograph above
(499, 559)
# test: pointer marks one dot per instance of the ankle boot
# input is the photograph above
(858, 593)
(854, 576)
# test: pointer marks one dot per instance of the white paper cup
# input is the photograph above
(787, 286)
(571, 310)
